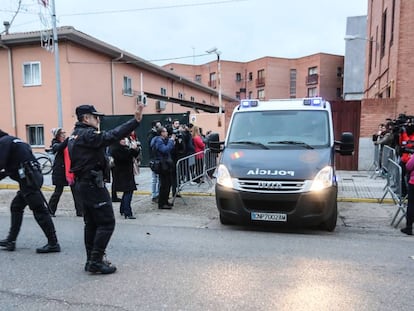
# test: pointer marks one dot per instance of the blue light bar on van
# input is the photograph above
(246, 103)
(316, 101)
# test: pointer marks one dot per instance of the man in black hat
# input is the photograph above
(18, 162)
(89, 164)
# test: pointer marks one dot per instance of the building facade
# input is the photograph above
(389, 68)
(271, 77)
(91, 72)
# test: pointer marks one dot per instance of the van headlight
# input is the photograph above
(323, 179)
(223, 177)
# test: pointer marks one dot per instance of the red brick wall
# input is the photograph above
(374, 112)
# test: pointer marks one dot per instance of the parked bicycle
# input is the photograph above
(45, 160)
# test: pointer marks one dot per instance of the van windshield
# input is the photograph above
(278, 129)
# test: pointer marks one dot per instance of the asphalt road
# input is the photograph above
(184, 259)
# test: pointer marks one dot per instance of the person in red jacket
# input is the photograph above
(199, 147)
(410, 206)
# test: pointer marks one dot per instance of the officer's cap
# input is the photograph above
(86, 109)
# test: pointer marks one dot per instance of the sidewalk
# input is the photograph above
(353, 186)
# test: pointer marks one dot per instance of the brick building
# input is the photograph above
(271, 77)
(389, 67)
(93, 72)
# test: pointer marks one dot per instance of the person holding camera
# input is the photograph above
(124, 152)
(89, 164)
(18, 162)
(155, 179)
(177, 153)
(163, 146)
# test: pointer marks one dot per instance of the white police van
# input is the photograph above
(278, 164)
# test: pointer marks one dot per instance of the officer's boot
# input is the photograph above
(88, 259)
(8, 245)
(98, 265)
(16, 222)
(45, 222)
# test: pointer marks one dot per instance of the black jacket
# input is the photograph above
(87, 146)
(123, 171)
(13, 152)
(58, 173)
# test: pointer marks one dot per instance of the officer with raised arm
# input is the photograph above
(89, 164)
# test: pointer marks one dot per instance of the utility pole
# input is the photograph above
(57, 65)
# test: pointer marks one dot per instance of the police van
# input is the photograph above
(278, 164)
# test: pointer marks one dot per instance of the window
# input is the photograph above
(238, 95)
(261, 94)
(180, 95)
(127, 89)
(312, 92)
(238, 76)
(212, 83)
(198, 78)
(192, 99)
(31, 74)
(312, 71)
(250, 76)
(339, 72)
(163, 91)
(250, 95)
(292, 87)
(383, 32)
(35, 134)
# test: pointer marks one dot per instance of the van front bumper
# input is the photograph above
(305, 208)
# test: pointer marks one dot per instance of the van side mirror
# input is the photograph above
(346, 144)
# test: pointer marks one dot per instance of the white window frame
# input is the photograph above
(34, 78)
(35, 135)
(127, 86)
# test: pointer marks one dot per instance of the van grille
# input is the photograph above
(271, 186)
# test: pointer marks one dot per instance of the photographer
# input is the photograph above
(177, 153)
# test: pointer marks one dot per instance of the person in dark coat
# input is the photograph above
(18, 162)
(124, 153)
(58, 145)
(163, 146)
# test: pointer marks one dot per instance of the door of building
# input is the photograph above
(347, 118)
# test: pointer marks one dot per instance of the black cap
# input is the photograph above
(85, 109)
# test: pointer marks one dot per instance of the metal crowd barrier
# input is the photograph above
(197, 168)
(394, 188)
(375, 166)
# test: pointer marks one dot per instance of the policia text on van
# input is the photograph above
(278, 164)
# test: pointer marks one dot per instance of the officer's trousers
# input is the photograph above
(98, 216)
(30, 194)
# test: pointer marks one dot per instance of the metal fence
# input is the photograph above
(392, 171)
(197, 168)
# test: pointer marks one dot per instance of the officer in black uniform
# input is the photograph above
(18, 162)
(89, 164)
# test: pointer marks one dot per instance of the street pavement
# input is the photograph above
(359, 195)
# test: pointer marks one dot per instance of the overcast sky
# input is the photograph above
(165, 31)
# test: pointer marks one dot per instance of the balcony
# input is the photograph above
(260, 82)
(312, 79)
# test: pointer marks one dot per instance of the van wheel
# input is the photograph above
(330, 223)
(224, 220)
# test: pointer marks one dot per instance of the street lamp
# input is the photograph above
(358, 37)
(217, 52)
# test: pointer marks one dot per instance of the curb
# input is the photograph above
(205, 194)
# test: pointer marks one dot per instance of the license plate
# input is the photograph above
(269, 216)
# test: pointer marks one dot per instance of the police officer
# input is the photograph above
(89, 164)
(18, 162)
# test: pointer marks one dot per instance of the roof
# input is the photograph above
(69, 33)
